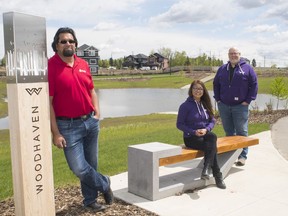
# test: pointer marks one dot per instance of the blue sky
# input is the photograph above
(118, 28)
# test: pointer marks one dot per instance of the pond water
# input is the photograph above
(131, 102)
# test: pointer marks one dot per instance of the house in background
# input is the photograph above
(89, 54)
(154, 62)
(135, 61)
(157, 61)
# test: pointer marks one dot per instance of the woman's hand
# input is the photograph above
(201, 132)
(245, 103)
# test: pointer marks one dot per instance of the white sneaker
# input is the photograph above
(241, 162)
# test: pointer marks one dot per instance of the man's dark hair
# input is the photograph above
(63, 30)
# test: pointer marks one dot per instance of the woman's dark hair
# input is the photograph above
(205, 98)
(63, 30)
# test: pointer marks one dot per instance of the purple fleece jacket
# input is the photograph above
(243, 86)
(192, 116)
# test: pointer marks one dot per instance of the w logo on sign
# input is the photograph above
(33, 90)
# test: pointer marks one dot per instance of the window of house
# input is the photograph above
(92, 53)
(80, 53)
(93, 69)
(92, 61)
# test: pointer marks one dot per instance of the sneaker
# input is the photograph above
(241, 162)
(108, 195)
(96, 207)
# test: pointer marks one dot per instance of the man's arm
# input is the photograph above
(58, 139)
(253, 86)
(95, 103)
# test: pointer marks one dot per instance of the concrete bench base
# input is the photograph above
(143, 171)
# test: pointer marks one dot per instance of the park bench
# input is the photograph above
(146, 161)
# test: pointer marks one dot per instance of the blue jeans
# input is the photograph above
(235, 121)
(81, 154)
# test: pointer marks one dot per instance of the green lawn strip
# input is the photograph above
(151, 81)
(3, 94)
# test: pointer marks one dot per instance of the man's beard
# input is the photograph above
(235, 61)
(68, 52)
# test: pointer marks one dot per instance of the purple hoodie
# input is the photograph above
(193, 116)
(243, 86)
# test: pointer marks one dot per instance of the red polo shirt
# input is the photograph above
(70, 87)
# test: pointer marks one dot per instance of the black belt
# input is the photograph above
(83, 117)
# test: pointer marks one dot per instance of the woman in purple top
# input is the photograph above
(196, 120)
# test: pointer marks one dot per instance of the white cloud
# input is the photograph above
(282, 37)
(248, 4)
(118, 51)
(72, 11)
(121, 28)
(262, 28)
(252, 3)
(279, 10)
(191, 12)
(106, 26)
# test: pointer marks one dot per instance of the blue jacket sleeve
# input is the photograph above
(216, 85)
(181, 118)
(253, 86)
(211, 124)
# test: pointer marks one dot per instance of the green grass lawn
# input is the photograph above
(143, 81)
(115, 136)
(3, 94)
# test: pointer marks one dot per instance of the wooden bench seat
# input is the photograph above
(152, 176)
(224, 144)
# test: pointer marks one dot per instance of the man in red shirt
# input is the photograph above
(74, 111)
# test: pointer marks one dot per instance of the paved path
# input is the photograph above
(205, 79)
(280, 136)
(258, 188)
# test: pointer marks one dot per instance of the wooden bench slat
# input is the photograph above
(224, 144)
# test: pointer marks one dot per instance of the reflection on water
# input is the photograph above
(4, 123)
(131, 102)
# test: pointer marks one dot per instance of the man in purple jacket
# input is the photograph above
(235, 86)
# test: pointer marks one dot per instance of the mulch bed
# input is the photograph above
(68, 200)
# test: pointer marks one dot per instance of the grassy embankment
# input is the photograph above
(116, 133)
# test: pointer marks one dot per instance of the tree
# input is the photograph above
(3, 62)
(187, 62)
(279, 89)
(274, 66)
(103, 63)
(202, 60)
(166, 52)
(111, 63)
(179, 58)
(254, 63)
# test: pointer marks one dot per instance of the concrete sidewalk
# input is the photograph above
(279, 136)
(205, 79)
(258, 188)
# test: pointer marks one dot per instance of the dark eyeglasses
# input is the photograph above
(65, 41)
(197, 89)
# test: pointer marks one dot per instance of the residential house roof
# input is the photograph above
(87, 47)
